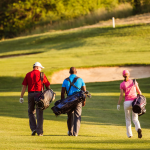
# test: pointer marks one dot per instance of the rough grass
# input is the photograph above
(102, 126)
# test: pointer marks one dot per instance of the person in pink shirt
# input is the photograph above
(130, 90)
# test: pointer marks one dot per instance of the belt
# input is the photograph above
(35, 92)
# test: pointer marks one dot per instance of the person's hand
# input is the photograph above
(21, 100)
(83, 103)
(118, 107)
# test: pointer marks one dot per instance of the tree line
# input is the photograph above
(139, 6)
(17, 16)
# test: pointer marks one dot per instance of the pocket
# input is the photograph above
(127, 104)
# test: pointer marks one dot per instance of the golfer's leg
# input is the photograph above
(127, 110)
(77, 119)
(31, 111)
(39, 115)
(70, 122)
(136, 121)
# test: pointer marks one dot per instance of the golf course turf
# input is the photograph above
(102, 125)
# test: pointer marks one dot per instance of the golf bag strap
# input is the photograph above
(134, 80)
(53, 93)
(42, 78)
(72, 84)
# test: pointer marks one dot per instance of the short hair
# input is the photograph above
(73, 70)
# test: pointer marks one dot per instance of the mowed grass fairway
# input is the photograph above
(102, 126)
(124, 45)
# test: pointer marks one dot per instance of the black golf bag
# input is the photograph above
(69, 103)
(138, 105)
(43, 100)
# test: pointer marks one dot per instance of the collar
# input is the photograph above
(36, 70)
(72, 76)
(128, 80)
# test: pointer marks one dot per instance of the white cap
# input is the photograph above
(38, 64)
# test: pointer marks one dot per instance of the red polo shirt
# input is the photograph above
(32, 79)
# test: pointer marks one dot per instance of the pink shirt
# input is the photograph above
(129, 89)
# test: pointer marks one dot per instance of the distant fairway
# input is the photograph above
(102, 126)
(124, 45)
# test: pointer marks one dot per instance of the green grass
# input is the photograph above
(102, 126)
(124, 45)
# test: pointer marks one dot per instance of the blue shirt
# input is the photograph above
(79, 83)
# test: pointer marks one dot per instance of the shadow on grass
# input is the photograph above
(89, 144)
(55, 135)
(99, 110)
(21, 54)
(63, 148)
(9, 84)
(14, 84)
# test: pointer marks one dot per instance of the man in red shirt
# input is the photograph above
(33, 81)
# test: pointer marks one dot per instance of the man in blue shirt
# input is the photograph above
(74, 117)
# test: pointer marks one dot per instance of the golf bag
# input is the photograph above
(43, 100)
(138, 105)
(69, 103)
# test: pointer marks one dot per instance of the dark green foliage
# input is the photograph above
(140, 6)
(17, 16)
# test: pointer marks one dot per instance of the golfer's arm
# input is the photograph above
(48, 87)
(83, 88)
(63, 89)
(23, 90)
(120, 97)
(138, 90)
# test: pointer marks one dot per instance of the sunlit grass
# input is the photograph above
(96, 136)
(102, 125)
